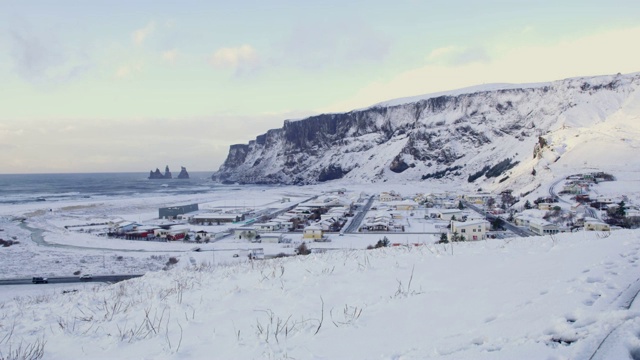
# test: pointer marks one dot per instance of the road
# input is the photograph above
(72, 279)
(591, 212)
(507, 225)
(354, 225)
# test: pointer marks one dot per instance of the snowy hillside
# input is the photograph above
(532, 298)
(455, 135)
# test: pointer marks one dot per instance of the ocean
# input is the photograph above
(24, 188)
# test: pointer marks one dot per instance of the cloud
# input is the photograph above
(336, 44)
(128, 70)
(139, 36)
(170, 56)
(456, 56)
(453, 67)
(41, 59)
(242, 59)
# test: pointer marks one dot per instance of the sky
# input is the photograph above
(128, 86)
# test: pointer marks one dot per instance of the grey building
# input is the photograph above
(173, 211)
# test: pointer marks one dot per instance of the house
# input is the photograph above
(469, 230)
(591, 224)
(406, 205)
(389, 196)
(270, 226)
(380, 221)
(605, 199)
(123, 226)
(543, 227)
(202, 235)
(312, 232)
(545, 206)
(478, 198)
(449, 214)
(173, 211)
(217, 219)
(171, 234)
(271, 238)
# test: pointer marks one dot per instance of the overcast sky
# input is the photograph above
(110, 86)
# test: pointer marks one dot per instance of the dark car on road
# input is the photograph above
(39, 280)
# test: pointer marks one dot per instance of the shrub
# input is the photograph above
(77, 272)
(172, 260)
(443, 239)
(302, 249)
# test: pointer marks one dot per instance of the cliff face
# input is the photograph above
(448, 136)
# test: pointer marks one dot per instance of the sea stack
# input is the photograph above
(158, 175)
(183, 173)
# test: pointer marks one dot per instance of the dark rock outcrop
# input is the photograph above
(155, 175)
(183, 173)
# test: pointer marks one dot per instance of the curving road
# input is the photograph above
(591, 212)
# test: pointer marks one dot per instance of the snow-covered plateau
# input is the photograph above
(562, 127)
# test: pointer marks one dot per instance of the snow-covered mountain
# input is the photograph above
(491, 136)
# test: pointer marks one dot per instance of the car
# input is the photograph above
(39, 280)
(86, 277)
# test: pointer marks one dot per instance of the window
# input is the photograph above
(463, 230)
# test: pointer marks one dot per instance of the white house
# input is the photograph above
(448, 214)
(123, 226)
(469, 230)
(271, 238)
(591, 224)
(389, 196)
(270, 226)
(543, 227)
(406, 205)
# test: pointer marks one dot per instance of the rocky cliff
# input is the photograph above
(460, 135)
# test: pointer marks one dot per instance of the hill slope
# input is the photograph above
(533, 298)
(454, 135)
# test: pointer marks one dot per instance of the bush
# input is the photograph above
(172, 260)
(302, 249)
(443, 239)
(77, 272)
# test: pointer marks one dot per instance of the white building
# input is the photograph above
(543, 227)
(449, 214)
(591, 224)
(469, 230)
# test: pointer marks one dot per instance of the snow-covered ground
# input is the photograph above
(533, 298)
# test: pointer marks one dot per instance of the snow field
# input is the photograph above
(526, 298)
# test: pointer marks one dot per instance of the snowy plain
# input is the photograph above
(526, 298)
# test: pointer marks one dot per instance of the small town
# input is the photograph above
(320, 222)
